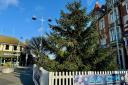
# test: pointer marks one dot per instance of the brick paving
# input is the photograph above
(21, 76)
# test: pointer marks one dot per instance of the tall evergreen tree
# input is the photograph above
(74, 43)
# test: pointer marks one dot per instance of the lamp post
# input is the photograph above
(41, 30)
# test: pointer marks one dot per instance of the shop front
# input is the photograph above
(9, 57)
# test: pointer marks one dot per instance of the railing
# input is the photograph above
(43, 77)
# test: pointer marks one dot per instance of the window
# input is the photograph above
(101, 24)
(112, 33)
(15, 47)
(114, 15)
(96, 17)
(111, 17)
(103, 41)
(121, 60)
(7, 47)
(110, 2)
(20, 48)
(119, 33)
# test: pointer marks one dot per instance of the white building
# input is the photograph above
(10, 49)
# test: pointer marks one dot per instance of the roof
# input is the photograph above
(97, 6)
(9, 40)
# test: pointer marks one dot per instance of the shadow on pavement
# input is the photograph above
(5, 82)
(25, 75)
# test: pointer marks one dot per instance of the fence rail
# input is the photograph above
(71, 78)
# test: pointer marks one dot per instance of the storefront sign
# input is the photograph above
(100, 79)
(10, 54)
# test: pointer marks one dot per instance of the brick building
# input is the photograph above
(112, 25)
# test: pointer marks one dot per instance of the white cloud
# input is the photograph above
(6, 3)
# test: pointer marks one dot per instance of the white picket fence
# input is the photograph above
(67, 78)
(61, 78)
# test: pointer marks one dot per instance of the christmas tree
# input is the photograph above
(74, 43)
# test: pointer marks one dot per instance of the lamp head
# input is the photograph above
(34, 18)
(49, 20)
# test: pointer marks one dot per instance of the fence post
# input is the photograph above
(51, 80)
(70, 78)
(60, 77)
(56, 74)
(63, 79)
(34, 73)
(66, 78)
(44, 78)
(73, 77)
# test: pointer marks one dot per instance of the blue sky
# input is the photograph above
(15, 16)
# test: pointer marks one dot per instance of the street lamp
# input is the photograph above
(42, 23)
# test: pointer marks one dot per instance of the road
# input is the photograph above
(21, 76)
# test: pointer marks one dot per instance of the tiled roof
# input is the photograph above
(9, 40)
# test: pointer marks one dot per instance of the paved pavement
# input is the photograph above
(21, 76)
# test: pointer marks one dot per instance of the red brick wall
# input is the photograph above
(107, 29)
